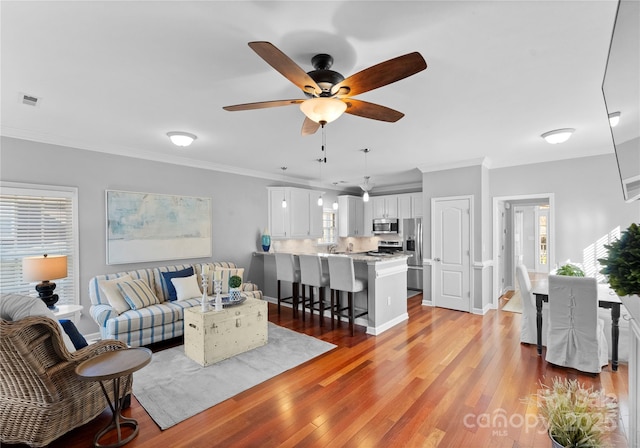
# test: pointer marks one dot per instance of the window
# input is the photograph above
(328, 227)
(591, 253)
(37, 220)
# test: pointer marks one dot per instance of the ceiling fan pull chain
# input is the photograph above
(324, 144)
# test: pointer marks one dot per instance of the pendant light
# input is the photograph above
(366, 185)
(335, 201)
(284, 199)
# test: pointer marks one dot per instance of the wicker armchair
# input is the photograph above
(41, 397)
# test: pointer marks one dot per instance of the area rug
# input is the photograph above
(514, 305)
(173, 387)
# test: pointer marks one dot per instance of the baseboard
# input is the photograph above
(382, 328)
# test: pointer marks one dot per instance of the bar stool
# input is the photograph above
(342, 278)
(313, 275)
(288, 270)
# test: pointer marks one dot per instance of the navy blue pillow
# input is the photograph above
(173, 295)
(76, 337)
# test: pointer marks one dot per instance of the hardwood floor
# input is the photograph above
(442, 379)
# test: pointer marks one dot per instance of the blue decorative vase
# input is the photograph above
(266, 242)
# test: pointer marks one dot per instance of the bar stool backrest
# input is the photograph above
(311, 272)
(342, 275)
(287, 268)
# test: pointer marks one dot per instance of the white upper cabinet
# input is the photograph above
(404, 206)
(416, 205)
(410, 205)
(351, 216)
(302, 218)
(385, 206)
(278, 216)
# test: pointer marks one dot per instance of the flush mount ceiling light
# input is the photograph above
(181, 138)
(323, 110)
(558, 135)
(614, 119)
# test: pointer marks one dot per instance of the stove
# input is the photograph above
(387, 248)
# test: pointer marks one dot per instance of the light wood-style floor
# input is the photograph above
(429, 382)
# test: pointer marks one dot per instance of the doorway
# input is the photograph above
(523, 228)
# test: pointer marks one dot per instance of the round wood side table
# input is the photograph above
(114, 366)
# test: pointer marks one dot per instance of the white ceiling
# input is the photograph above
(117, 76)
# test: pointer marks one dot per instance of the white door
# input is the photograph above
(451, 253)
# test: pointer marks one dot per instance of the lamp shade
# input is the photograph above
(323, 110)
(46, 267)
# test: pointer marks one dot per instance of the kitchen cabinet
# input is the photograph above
(302, 218)
(410, 205)
(351, 216)
(385, 206)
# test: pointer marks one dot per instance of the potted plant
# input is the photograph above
(622, 264)
(235, 281)
(575, 415)
(570, 270)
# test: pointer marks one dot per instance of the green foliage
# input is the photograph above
(570, 270)
(235, 281)
(622, 265)
(574, 415)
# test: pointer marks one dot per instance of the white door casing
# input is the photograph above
(451, 252)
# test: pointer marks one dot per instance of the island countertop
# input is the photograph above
(357, 256)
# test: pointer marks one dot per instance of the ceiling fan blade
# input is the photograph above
(283, 64)
(262, 105)
(371, 110)
(309, 126)
(380, 75)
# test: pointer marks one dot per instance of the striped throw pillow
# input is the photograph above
(137, 294)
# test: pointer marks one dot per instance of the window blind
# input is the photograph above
(38, 220)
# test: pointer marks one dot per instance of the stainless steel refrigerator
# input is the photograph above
(412, 234)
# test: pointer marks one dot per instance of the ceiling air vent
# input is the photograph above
(29, 100)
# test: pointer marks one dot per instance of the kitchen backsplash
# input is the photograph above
(312, 246)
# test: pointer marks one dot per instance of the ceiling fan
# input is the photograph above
(329, 94)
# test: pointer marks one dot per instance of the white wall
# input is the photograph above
(239, 203)
(588, 198)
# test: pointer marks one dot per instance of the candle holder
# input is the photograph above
(205, 299)
(217, 288)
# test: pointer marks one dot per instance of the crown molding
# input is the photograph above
(429, 168)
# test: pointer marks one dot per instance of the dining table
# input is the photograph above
(607, 298)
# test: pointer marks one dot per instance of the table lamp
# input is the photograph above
(43, 269)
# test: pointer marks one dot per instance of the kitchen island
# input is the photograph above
(385, 298)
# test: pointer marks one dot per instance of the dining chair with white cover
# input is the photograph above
(575, 336)
(528, 328)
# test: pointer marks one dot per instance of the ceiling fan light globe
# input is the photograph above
(323, 109)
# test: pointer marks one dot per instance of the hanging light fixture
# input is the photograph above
(366, 185)
(614, 119)
(558, 135)
(335, 201)
(181, 139)
(284, 198)
(323, 110)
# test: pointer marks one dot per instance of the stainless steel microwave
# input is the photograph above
(385, 225)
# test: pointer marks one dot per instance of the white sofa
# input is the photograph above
(159, 321)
